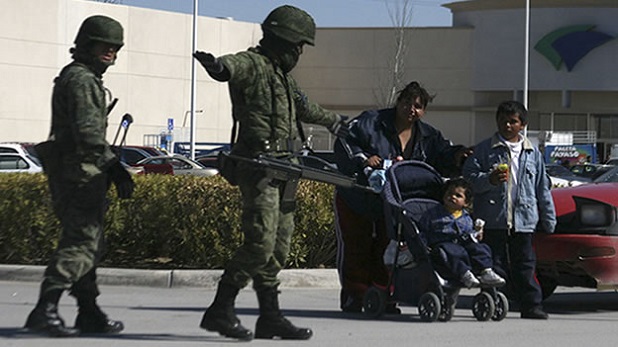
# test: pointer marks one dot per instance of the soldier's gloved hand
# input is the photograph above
(209, 62)
(340, 128)
(377, 180)
(122, 180)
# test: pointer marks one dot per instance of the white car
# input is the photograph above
(181, 165)
(13, 162)
(560, 176)
(557, 182)
(14, 147)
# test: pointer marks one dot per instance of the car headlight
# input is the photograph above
(594, 213)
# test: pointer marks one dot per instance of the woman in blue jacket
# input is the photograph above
(377, 136)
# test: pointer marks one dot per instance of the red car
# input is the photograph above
(582, 251)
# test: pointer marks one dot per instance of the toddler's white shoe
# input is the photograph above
(490, 278)
(469, 280)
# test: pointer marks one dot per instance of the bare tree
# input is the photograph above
(400, 12)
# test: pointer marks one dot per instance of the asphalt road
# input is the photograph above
(170, 317)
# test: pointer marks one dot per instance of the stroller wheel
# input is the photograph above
(448, 309)
(483, 306)
(449, 304)
(502, 307)
(429, 307)
(374, 302)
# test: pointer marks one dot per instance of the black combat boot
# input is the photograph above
(45, 319)
(272, 323)
(91, 320)
(220, 316)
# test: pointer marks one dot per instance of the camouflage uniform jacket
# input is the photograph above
(79, 123)
(266, 103)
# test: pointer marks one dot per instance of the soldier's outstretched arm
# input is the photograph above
(213, 66)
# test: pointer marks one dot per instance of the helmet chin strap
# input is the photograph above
(83, 55)
(284, 53)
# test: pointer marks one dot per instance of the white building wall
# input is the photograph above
(151, 78)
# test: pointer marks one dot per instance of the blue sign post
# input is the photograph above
(170, 124)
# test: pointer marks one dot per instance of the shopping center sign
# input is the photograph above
(570, 44)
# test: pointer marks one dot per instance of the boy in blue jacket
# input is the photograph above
(512, 194)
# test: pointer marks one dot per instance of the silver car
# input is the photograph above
(181, 165)
(13, 162)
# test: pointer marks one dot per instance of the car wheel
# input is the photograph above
(548, 285)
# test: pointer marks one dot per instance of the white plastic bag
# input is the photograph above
(405, 259)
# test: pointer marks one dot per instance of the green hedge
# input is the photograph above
(170, 222)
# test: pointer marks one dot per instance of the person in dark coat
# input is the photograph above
(376, 138)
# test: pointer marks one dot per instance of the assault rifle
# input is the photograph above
(284, 170)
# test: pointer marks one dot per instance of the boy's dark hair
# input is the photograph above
(458, 182)
(508, 108)
(412, 91)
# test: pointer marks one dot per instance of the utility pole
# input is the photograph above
(193, 80)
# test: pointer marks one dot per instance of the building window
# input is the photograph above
(607, 126)
(563, 122)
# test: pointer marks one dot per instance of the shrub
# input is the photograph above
(170, 222)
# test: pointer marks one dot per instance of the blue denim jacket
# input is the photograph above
(438, 225)
(534, 204)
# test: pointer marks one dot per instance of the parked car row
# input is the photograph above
(133, 154)
(18, 157)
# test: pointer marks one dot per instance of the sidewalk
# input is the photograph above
(312, 278)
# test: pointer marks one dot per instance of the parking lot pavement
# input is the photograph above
(158, 316)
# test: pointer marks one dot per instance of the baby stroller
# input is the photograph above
(413, 187)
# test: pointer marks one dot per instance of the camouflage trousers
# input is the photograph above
(80, 207)
(267, 223)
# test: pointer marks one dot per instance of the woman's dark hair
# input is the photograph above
(507, 108)
(412, 91)
(458, 182)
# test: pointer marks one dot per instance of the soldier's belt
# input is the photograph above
(282, 145)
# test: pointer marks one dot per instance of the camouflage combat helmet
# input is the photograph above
(290, 24)
(100, 29)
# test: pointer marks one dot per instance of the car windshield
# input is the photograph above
(609, 176)
(558, 171)
(198, 164)
(35, 160)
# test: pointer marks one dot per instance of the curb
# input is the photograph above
(290, 278)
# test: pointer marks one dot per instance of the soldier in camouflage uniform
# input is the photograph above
(267, 104)
(80, 166)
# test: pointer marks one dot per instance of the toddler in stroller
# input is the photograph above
(412, 189)
(452, 238)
